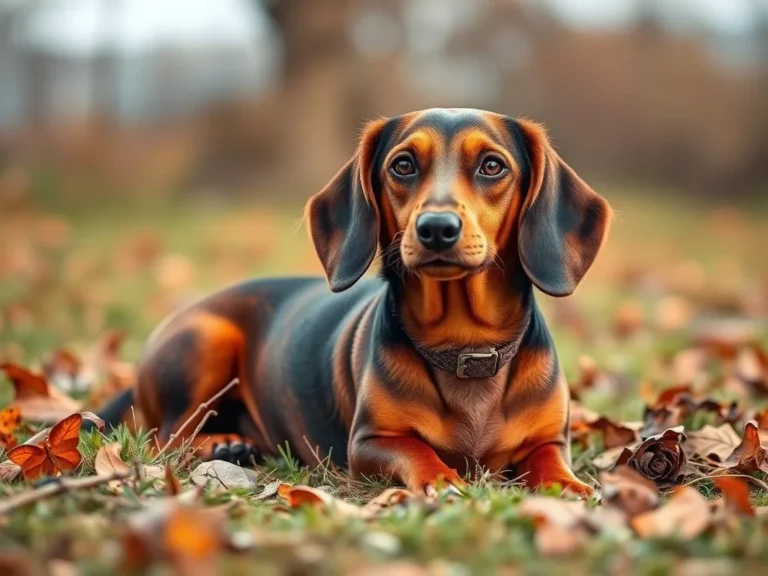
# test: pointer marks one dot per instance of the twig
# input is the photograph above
(58, 487)
(757, 481)
(188, 442)
(203, 406)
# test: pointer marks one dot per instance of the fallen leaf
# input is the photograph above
(25, 383)
(560, 524)
(712, 443)
(57, 453)
(65, 372)
(298, 496)
(749, 455)
(736, 494)
(629, 490)
(269, 490)
(686, 515)
(108, 460)
(390, 498)
(9, 471)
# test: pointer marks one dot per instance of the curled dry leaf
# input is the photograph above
(9, 471)
(686, 515)
(108, 460)
(749, 456)
(736, 494)
(35, 399)
(298, 496)
(629, 490)
(712, 443)
(660, 458)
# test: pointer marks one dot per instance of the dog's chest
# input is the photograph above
(474, 410)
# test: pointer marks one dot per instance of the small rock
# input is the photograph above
(224, 474)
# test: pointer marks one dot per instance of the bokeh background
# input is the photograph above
(154, 150)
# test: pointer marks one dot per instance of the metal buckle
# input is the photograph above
(461, 368)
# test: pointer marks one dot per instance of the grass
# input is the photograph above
(127, 267)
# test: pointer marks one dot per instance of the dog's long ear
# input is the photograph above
(344, 216)
(562, 221)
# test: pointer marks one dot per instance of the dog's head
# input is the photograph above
(455, 190)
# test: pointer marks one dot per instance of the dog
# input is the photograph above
(441, 364)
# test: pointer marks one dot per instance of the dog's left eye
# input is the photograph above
(493, 167)
(403, 166)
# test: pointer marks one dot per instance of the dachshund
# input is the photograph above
(441, 364)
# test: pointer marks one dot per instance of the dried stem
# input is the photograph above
(203, 406)
(57, 487)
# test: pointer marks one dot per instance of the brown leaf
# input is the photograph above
(298, 496)
(108, 461)
(736, 494)
(749, 456)
(659, 458)
(629, 490)
(390, 498)
(614, 434)
(712, 443)
(686, 515)
(9, 471)
(560, 524)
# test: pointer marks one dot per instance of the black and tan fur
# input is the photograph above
(338, 371)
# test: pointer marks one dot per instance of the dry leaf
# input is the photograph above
(629, 490)
(749, 456)
(736, 494)
(686, 515)
(560, 524)
(712, 443)
(9, 471)
(297, 496)
(390, 498)
(108, 460)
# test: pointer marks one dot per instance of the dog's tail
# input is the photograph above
(114, 413)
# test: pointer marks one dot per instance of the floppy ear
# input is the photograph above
(562, 220)
(344, 217)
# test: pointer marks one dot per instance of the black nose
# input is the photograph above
(438, 231)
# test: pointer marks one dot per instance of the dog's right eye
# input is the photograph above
(403, 166)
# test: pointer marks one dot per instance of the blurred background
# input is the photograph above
(154, 150)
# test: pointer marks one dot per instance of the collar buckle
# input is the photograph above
(464, 359)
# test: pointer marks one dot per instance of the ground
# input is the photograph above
(677, 298)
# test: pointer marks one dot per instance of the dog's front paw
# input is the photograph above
(240, 452)
(434, 484)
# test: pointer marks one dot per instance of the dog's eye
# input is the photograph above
(403, 165)
(492, 166)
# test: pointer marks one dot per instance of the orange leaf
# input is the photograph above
(26, 384)
(736, 494)
(687, 514)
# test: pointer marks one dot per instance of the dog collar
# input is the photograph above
(471, 362)
(474, 362)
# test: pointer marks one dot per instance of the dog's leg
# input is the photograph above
(405, 459)
(186, 367)
(546, 466)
